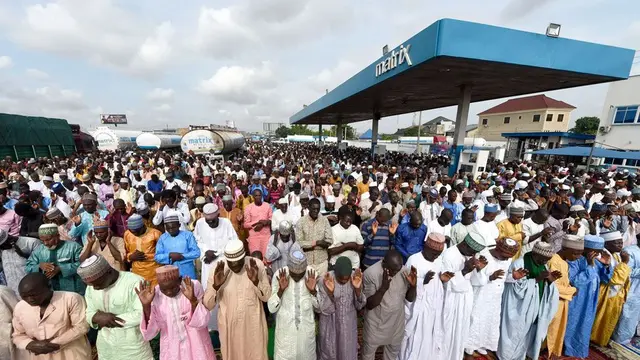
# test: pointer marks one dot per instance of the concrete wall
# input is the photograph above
(624, 136)
(522, 121)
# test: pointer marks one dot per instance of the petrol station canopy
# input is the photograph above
(428, 70)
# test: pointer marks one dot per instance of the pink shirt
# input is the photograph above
(183, 335)
(258, 240)
(10, 222)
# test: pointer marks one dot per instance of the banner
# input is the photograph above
(113, 119)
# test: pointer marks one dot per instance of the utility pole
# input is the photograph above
(419, 147)
(593, 145)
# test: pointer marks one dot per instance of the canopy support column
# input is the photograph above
(461, 127)
(320, 139)
(374, 132)
(339, 132)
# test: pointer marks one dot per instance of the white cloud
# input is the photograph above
(237, 84)
(44, 101)
(155, 51)
(37, 74)
(5, 62)
(330, 78)
(255, 25)
(220, 34)
(163, 108)
(97, 31)
(160, 94)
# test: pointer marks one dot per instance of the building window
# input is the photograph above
(507, 120)
(485, 121)
(549, 117)
(536, 118)
(612, 161)
(625, 115)
(560, 117)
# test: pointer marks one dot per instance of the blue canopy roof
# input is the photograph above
(426, 71)
(367, 135)
(584, 151)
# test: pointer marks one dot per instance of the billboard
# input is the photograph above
(113, 119)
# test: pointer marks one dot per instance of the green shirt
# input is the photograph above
(67, 257)
(119, 299)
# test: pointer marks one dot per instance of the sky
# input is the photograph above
(173, 64)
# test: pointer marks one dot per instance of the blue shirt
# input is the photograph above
(584, 203)
(456, 209)
(10, 204)
(86, 224)
(410, 241)
(183, 243)
(376, 246)
(583, 307)
(155, 187)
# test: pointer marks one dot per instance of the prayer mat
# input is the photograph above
(628, 351)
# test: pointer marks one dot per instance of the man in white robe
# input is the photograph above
(488, 284)
(423, 327)
(527, 310)
(293, 301)
(458, 296)
(487, 227)
(429, 207)
(212, 234)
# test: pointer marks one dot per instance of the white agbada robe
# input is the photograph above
(458, 304)
(295, 324)
(484, 332)
(64, 208)
(212, 239)
(501, 216)
(530, 228)
(488, 230)
(278, 217)
(430, 212)
(423, 330)
(435, 227)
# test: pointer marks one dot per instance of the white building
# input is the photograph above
(620, 122)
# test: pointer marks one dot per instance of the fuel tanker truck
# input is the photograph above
(113, 139)
(151, 141)
(204, 140)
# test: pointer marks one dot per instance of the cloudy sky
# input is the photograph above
(169, 63)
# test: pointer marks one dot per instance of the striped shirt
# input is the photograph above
(376, 246)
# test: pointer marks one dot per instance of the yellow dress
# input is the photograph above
(558, 326)
(508, 230)
(610, 303)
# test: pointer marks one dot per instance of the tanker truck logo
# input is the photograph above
(199, 142)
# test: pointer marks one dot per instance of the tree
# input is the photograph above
(301, 130)
(413, 131)
(587, 125)
(283, 132)
(351, 133)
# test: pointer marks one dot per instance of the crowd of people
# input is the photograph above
(107, 251)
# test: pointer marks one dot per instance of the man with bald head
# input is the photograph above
(411, 236)
(387, 284)
(50, 324)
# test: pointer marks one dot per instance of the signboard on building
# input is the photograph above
(113, 119)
